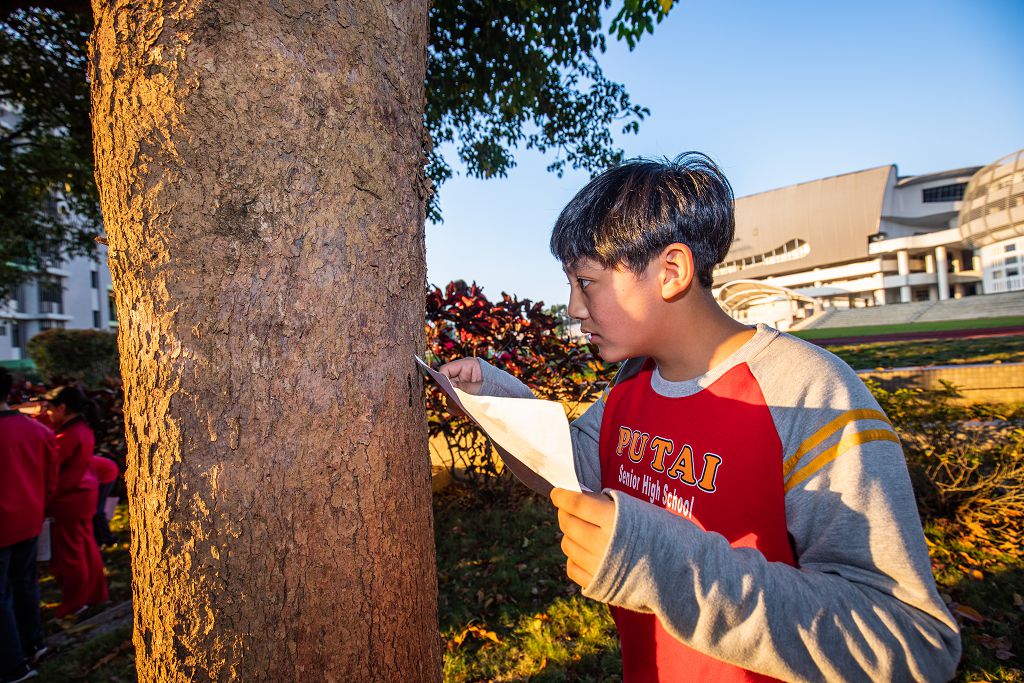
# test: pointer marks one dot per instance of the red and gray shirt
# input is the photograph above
(765, 526)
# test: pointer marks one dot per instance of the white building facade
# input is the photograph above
(873, 238)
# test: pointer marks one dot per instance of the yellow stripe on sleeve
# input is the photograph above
(828, 430)
(833, 452)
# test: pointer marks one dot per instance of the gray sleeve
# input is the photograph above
(862, 606)
(500, 383)
(586, 434)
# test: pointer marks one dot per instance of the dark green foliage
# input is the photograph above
(500, 74)
(966, 462)
(503, 73)
(86, 356)
(47, 192)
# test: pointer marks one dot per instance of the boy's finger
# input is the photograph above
(464, 369)
(596, 508)
(581, 531)
(580, 555)
(578, 574)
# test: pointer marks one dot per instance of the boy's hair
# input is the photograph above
(632, 211)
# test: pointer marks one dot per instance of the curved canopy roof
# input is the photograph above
(742, 294)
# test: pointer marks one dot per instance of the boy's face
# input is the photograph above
(616, 308)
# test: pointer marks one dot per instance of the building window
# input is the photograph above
(51, 297)
(1010, 247)
(15, 335)
(945, 193)
(96, 319)
(20, 297)
(790, 251)
(51, 324)
(95, 277)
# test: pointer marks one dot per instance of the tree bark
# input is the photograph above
(260, 167)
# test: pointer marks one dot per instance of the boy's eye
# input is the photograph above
(583, 282)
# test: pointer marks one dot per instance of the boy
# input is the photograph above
(757, 519)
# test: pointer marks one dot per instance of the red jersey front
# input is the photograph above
(713, 458)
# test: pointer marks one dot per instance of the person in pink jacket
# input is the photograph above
(106, 473)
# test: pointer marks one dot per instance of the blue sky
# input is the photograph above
(777, 93)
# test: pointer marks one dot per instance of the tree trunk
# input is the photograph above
(260, 172)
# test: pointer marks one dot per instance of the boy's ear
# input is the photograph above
(677, 270)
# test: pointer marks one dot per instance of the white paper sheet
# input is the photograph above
(531, 435)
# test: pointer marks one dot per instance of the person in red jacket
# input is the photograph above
(76, 563)
(28, 462)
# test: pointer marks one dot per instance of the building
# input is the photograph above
(873, 238)
(74, 294)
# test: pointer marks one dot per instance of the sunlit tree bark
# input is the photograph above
(260, 174)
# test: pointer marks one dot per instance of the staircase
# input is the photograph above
(968, 308)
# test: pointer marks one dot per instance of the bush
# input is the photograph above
(85, 356)
(966, 462)
(516, 335)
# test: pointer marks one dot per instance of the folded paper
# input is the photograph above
(531, 435)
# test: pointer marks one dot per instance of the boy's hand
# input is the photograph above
(586, 519)
(465, 374)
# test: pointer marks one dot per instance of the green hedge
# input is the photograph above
(86, 356)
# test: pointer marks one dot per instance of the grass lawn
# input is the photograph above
(939, 325)
(980, 573)
(893, 354)
(508, 612)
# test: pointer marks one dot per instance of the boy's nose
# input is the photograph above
(576, 309)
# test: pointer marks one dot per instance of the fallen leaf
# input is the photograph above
(968, 613)
(993, 643)
(484, 634)
(110, 656)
